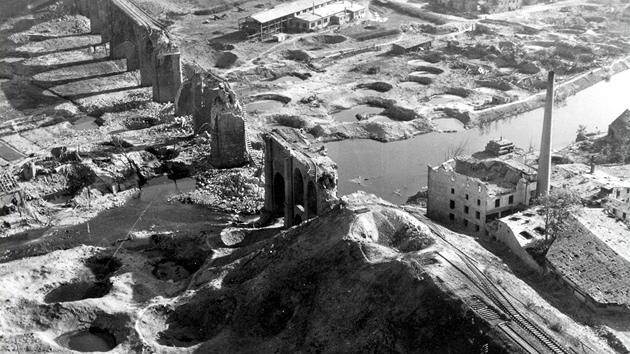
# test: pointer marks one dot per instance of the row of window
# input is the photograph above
(311, 9)
(465, 222)
(497, 202)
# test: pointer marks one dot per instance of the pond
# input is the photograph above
(349, 115)
(397, 170)
(443, 99)
(263, 106)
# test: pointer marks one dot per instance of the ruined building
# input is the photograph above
(215, 110)
(591, 258)
(300, 181)
(471, 191)
(10, 192)
(599, 191)
(300, 16)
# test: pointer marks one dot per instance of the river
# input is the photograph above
(396, 170)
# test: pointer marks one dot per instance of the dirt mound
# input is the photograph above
(297, 55)
(424, 80)
(496, 84)
(401, 113)
(429, 69)
(376, 86)
(347, 264)
(324, 39)
(226, 60)
(221, 46)
(272, 96)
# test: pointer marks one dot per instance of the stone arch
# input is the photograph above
(297, 220)
(298, 187)
(311, 198)
(278, 195)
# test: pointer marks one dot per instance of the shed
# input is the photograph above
(279, 37)
(411, 45)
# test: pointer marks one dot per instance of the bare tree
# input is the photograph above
(458, 149)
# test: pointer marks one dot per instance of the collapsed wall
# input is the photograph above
(140, 39)
(215, 110)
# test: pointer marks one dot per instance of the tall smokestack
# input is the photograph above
(544, 161)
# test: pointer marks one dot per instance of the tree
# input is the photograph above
(581, 133)
(557, 206)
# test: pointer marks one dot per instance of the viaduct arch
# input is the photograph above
(300, 182)
(140, 39)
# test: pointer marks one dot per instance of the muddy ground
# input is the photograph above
(478, 62)
(128, 231)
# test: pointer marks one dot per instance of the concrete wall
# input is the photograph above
(619, 209)
(445, 186)
(216, 111)
(297, 186)
(506, 234)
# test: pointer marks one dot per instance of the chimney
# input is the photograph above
(544, 160)
(592, 164)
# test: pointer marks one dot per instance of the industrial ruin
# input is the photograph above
(327, 176)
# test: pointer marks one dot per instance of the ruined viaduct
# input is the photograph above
(140, 39)
(300, 183)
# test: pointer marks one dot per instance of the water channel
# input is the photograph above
(394, 171)
(149, 208)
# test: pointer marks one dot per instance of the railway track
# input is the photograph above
(140, 16)
(500, 300)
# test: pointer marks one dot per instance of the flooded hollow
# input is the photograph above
(349, 115)
(263, 106)
(397, 170)
(92, 340)
(78, 291)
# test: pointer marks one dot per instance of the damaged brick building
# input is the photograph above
(471, 191)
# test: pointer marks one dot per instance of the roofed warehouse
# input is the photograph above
(300, 16)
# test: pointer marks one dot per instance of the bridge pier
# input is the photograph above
(145, 54)
(168, 75)
(135, 36)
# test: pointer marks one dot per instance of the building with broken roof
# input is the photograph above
(411, 45)
(593, 186)
(459, 5)
(519, 232)
(591, 257)
(10, 191)
(301, 16)
(471, 191)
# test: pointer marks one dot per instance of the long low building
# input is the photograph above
(301, 16)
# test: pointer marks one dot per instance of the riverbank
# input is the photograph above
(563, 90)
